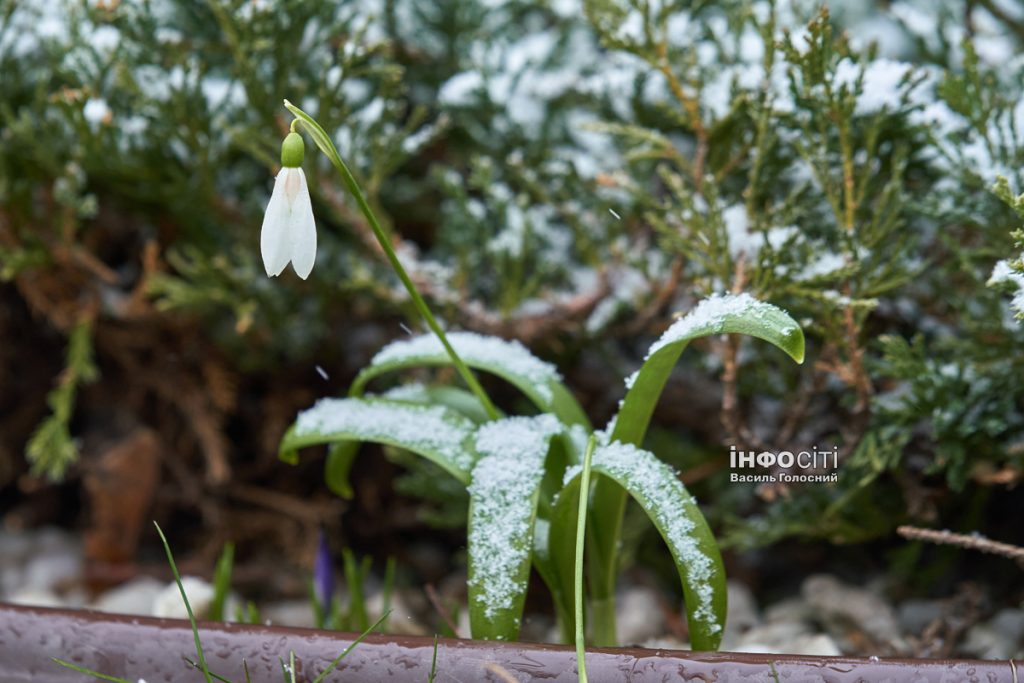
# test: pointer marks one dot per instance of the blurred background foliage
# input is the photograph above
(570, 174)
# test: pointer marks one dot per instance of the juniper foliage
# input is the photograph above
(571, 173)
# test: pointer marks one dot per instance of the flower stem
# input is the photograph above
(581, 529)
(326, 145)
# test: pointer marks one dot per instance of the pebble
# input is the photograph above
(790, 609)
(742, 615)
(851, 612)
(38, 597)
(168, 602)
(137, 596)
(915, 615)
(771, 637)
(998, 638)
(298, 613)
(638, 615)
(402, 620)
(812, 644)
(44, 561)
(742, 612)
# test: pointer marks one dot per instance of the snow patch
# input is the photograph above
(493, 352)
(429, 428)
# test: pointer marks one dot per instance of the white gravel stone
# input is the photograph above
(816, 644)
(843, 608)
(402, 621)
(915, 615)
(790, 609)
(296, 613)
(998, 638)
(639, 616)
(37, 597)
(742, 613)
(137, 596)
(168, 602)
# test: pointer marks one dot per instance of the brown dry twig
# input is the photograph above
(970, 541)
(435, 601)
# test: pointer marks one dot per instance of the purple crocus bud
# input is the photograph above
(323, 574)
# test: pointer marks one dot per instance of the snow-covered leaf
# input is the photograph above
(435, 432)
(504, 493)
(510, 360)
(718, 314)
(674, 512)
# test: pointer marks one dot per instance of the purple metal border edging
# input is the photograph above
(154, 650)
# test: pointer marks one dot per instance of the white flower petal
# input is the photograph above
(302, 229)
(274, 239)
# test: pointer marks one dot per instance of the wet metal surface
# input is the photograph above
(154, 649)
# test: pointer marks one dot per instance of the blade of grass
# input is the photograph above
(332, 665)
(245, 669)
(222, 581)
(354, 573)
(194, 665)
(581, 530)
(89, 672)
(433, 663)
(188, 606)
(288, 670)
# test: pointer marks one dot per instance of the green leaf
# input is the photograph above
(337, 660)
(509, 360)
(503, 507)
(718, 314)
(553, 543)
(201, 656)
(437, 433)
(674, 512)
(90, 672)
(222, 582)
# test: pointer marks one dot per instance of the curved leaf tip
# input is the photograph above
(435, 432)
(739, 313)
(793, 343)
(655, 486)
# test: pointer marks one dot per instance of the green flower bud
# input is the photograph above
(292, 151)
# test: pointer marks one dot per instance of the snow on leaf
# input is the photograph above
(475, 349)
(503, 494)
(426, 428)
(712, 313)
(674, 512)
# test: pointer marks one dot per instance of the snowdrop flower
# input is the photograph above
(289, 232)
